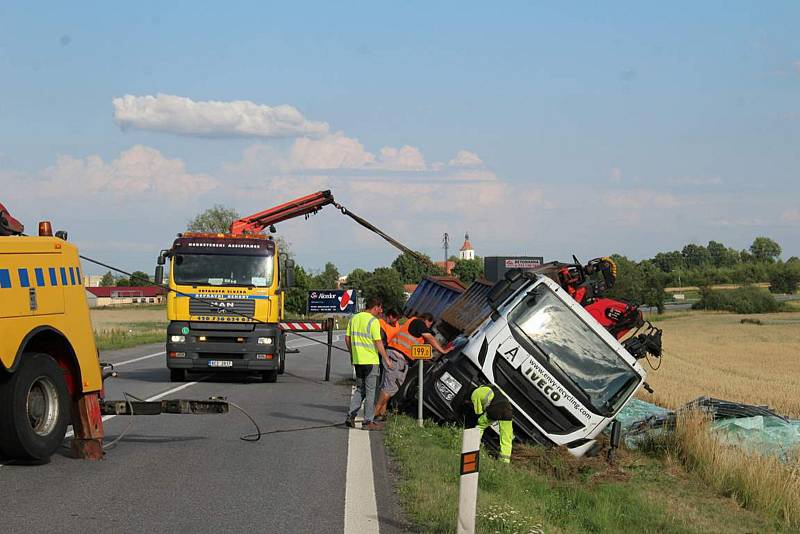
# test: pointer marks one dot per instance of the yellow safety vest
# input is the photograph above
(481, 398)
(363, 330)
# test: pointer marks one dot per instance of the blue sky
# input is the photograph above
(540, 129)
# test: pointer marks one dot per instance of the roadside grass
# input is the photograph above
(549, 491)
(760, 483)
(130, 335)
(120, 328)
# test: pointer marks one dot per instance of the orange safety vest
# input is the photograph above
(389, 329)
(403, 341)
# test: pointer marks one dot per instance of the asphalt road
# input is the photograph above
(188, 473)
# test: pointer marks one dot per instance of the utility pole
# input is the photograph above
(446, 243)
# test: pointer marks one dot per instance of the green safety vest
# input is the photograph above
(364, 329)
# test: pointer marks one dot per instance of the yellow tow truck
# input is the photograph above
(50, 373)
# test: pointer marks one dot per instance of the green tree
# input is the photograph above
(327, 279)
(412, 270)
(107, 280)
(140, 278)
(297, 296)
(216, 219)
(122, 282)
(468, 270)
(385, 282)
(765, 249)
(785, 277)
(641, 283)
(357, 279)
(696, 255)
(669, 261)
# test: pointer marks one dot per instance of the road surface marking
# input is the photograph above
(126, 362)
(360, 506)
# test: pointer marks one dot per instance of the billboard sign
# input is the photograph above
(495, 267)
(332, 301)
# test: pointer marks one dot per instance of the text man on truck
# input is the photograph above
(225, 304)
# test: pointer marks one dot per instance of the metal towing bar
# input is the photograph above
(171, 406)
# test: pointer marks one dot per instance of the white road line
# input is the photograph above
(126, 362)
(360, 505)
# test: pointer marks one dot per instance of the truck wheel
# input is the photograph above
(34, 409)
(282, 362)
(177, 375)
(270, 376)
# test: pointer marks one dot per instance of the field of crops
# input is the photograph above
(718, 355)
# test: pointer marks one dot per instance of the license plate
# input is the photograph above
(220, 363)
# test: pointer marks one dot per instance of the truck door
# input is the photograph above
(31, 281)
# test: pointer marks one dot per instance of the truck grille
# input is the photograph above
(553, 419)
(222, 307)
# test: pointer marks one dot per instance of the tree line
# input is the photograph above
(642, 282)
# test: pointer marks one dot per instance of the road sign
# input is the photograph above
(332, 301)
(421, 352)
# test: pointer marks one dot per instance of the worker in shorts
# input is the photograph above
(491, 406)
(389, 326)
(415, 331)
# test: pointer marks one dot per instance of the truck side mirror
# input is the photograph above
(159, 277)
(162, 257)
(288, 268)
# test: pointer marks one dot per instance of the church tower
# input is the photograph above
(466, 252)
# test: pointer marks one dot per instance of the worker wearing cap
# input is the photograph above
(363, 339)
(415, 331)
(490, 405)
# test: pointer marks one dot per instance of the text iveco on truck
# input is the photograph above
(545, 348)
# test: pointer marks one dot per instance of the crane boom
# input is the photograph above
(8, 224)
(309, 205)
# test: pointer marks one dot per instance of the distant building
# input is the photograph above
(446, 267)
(115, 296)
(93, 280)
(466, 252)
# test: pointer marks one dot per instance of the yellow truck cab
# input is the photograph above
(225, 304)
(50, 375)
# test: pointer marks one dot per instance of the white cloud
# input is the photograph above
(139, 172)
(239, 118)
(639, 199)
(791, 216)
(404, 158)
(465, 158)
(696, 180)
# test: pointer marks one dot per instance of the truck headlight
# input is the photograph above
(177, 339)
(444, 391)
(265, 341)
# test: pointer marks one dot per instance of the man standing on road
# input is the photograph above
(363, 339)
(415, 331)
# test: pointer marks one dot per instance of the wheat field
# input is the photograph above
(715, 354)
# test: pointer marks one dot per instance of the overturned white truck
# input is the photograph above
(536, 336)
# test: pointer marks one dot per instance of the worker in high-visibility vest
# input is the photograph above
(490, 405)
(415, 331)
(363, 338)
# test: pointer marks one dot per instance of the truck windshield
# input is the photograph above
(563, 343)
(223, 270)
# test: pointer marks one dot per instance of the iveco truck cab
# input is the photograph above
(565, 374)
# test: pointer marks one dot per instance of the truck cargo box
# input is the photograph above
(433, 295)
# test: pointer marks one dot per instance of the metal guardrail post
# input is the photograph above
(330, 348)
